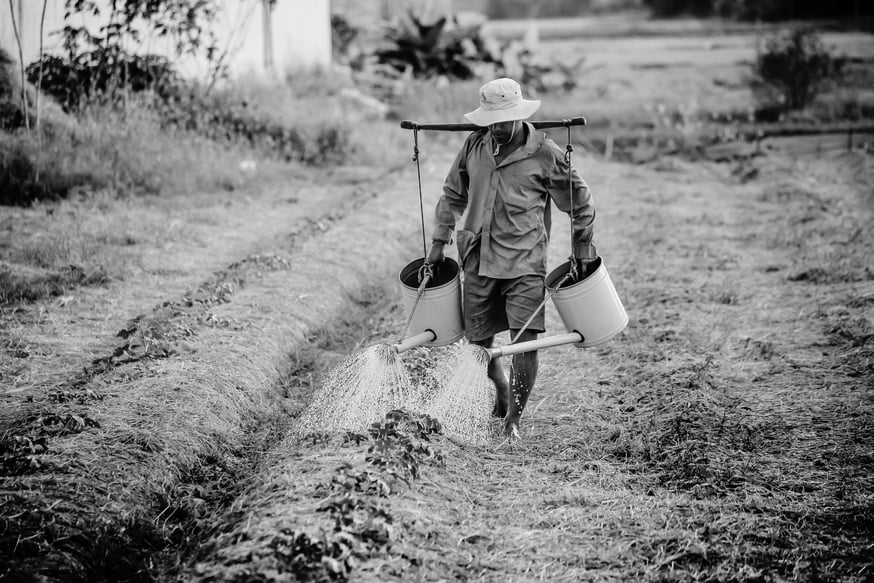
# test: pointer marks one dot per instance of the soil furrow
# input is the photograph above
(190, 413)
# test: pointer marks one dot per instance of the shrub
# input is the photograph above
(796, 66)
(104, 74)
(666, 8)
(342, 36)
(11, 112)
(772, 10)
(28, 176)
(435, 49)
(750, 9)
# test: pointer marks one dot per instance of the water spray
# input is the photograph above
(372, 382)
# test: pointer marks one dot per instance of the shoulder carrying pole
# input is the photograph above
(469, 127)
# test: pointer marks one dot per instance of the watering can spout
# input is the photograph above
(415, 341)
(547, 342)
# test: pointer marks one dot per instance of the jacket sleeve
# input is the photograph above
(453, 202)
(582, 211)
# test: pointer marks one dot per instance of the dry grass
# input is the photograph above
(184, 398)
(726, 436)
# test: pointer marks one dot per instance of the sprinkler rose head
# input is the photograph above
(387, 353)
(481, 354)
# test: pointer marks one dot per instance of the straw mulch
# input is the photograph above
(725, 436)
(109, 472)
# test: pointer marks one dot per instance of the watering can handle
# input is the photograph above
(469, 127)
(425, 275)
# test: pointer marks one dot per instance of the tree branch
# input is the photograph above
(21, 65)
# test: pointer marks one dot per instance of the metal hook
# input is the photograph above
(425, 272)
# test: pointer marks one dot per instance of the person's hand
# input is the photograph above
(436, 255)
(584, 268)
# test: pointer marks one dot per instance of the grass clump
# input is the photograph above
(124, 151)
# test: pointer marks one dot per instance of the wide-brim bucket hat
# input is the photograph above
(501, 100)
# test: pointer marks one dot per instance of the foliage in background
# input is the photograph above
(100, 63)
(796, 66)
(226, 117)
(11, 111)
(185, 23)
(342, 36)
(758, 9)
(436, 49)
(25, 180)
(507, 9)
(128, 111)
(123, 151)
(104, 75)
(750, 9)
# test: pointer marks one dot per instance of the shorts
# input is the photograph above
(495, 305)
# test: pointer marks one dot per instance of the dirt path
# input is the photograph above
(113, 451)
(694, 445)
(725, 436)
(175, 245)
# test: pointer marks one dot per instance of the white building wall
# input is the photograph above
(302, 33)
(28, 14)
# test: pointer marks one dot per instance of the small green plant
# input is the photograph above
(796, 67)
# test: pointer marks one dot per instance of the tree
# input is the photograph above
(24, 104)
(103, 58)
(796, 66)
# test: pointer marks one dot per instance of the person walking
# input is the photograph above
(501, 184)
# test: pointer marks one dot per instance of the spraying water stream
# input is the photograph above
(465, 395)
(455, 390)
(358, 392)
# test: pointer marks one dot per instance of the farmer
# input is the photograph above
(504, 177)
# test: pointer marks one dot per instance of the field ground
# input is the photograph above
(726, 435)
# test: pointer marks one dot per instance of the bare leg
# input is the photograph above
(496, 374)
(523, 373)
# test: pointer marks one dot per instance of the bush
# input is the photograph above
(28, 176)
(759, 9)
(796, 67)
(103, 74)
(666, 8)
(750, 9)
(11, 112)
(229, 119)
(342, 36)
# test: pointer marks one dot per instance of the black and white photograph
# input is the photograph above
(497, 291)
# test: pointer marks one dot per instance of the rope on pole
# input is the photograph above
(421, 202)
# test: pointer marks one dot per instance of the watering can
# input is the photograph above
(432, 303)
(590, 309)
